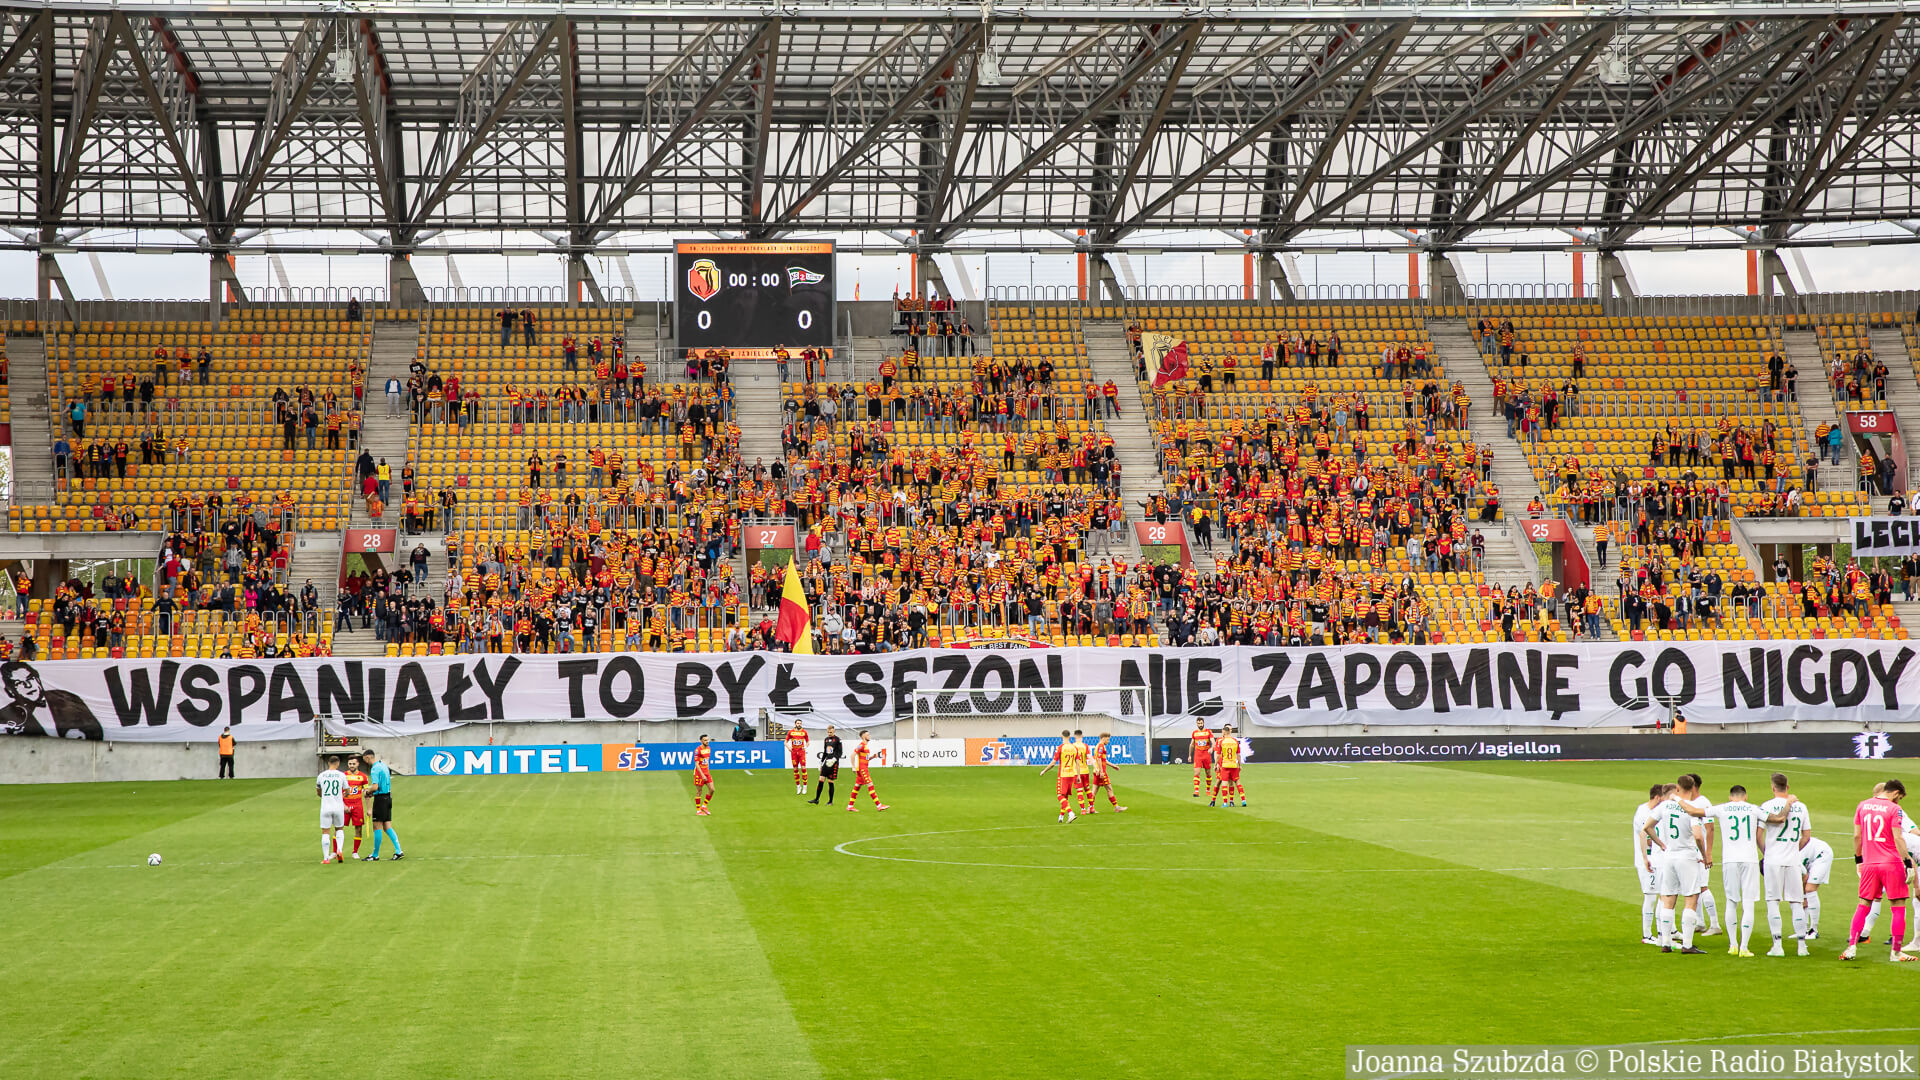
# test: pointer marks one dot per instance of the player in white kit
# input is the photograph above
(1739, 824)
(1644, 851)
(1789, 828)
(1816, 868)
(1679, 868)
(332, 788)
(1912, 833)
(1693, 793)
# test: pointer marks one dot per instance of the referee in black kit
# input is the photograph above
(830, 752)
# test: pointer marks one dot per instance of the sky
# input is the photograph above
(1688, 271)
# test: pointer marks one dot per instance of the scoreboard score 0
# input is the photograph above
(748, 297)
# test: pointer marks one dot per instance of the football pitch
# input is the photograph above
(590, 925)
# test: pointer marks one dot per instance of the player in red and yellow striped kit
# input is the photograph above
(862, 755)
(1098, 771)
(1228, 777)
(797, 756)
(1200, 752)
(1068, 761)
(1083, 776)
(703, 778)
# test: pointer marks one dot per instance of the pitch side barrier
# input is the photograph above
(1872, 683)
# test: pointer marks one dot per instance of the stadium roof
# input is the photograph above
(586, 121)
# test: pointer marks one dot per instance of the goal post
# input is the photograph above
(941, 716)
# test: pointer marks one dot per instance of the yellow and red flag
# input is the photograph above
(1166, 357)
(795, 626)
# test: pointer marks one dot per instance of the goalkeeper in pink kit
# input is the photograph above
(1882, 857)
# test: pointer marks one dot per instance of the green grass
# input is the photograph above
(590, 925)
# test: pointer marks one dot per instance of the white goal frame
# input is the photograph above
(922, 706)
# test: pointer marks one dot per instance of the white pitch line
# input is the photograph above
(442, 858)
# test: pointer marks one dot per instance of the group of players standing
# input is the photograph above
(1083, 770)
(831, 753)
(343, 803)
(1203, 746)
(797, 742)
(1674, 834)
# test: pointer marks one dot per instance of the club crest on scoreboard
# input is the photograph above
(703, 279)
(800, 275)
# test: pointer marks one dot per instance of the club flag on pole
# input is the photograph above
(1166, 356)
(795, 626)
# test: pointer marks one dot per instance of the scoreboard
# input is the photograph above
(749, 297)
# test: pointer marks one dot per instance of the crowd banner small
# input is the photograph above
(1878, 537)
(1607, 684)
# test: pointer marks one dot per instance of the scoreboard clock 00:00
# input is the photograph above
(749, 297)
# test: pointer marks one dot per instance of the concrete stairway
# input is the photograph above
(1504, 565)
(316, 558)
(1903, 391)
(384, 434)
(1907, 611)
(868, 352)
(32, 421)
(757, 408)
(1817, 405)
(757, 404)
(643, 341)
(1453, 343)
(1133, 440)
(358, 642)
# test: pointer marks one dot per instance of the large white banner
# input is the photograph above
(1882, 536)
(1612, 683)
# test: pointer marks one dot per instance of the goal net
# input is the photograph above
(1020, 727)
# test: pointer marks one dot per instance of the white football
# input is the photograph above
(153, 859)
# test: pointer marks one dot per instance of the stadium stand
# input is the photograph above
(585, 508)
(1657, 431)
(968, 496)
(228, 440)
(173, 416)
(1336, 456)
(588, 504)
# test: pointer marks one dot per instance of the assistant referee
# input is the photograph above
(381, 779)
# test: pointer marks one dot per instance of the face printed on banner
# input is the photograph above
(33, 711)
